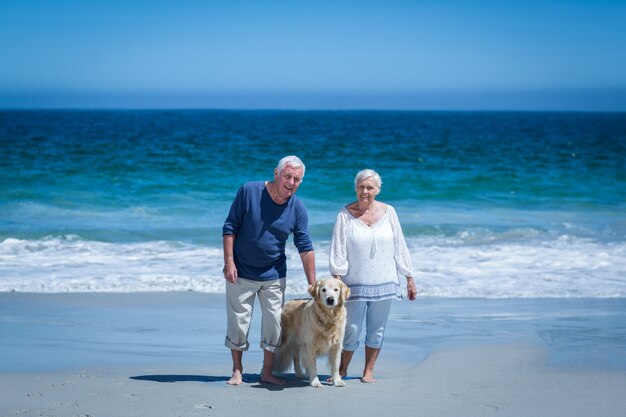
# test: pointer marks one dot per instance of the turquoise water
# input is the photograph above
(493, 204)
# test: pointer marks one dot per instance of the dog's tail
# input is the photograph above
(283, 358)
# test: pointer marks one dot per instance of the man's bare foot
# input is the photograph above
(271, 379)
(368, 377)
(236, 379)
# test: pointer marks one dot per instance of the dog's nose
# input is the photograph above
(330, 301)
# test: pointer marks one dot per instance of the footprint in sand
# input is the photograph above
(489, 407)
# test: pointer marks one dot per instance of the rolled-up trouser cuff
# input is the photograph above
(233, 346)
(268, 347)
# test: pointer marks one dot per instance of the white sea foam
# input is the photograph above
(564, 267)
(68, 264)
(459, 266)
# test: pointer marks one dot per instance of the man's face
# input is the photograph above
(287, 181)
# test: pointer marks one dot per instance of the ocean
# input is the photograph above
(492, 204)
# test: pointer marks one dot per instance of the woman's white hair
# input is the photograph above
(292, 161)
(367, 173)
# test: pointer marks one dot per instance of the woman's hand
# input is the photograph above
(411, 291)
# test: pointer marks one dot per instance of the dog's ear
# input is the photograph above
(345, 291)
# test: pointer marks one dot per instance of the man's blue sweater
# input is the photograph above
(261, 228)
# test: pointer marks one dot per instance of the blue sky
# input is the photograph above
(451, 55)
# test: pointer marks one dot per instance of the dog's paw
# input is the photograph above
(339, 383)
(316, 383)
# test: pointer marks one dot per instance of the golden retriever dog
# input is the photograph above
(313, 328)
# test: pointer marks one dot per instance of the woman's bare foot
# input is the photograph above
(236, 379)
(368, 377)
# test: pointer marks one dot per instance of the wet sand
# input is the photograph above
(162, 354)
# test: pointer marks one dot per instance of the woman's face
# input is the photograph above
(367, 190)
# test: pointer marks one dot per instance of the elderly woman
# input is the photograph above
(368, 253)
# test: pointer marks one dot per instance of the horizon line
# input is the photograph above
(303, 110)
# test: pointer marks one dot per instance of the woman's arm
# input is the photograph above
(338, 256)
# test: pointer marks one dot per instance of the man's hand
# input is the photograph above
(230, 271)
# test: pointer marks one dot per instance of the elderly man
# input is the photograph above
(261, 218)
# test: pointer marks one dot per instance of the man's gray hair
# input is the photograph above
(367, 173)
(292, 161)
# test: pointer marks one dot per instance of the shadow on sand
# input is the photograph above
(188, 378)
(292, 381)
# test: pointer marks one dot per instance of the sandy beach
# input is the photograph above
(162, 354)
(472, 381)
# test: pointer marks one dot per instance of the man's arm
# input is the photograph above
(230, 270)
(308, 263)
